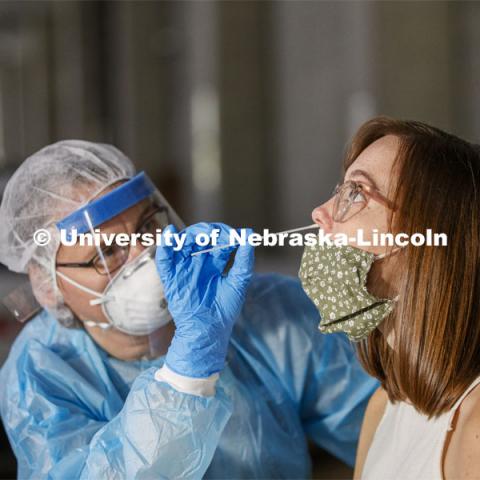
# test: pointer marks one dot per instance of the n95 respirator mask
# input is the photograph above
(134, 300)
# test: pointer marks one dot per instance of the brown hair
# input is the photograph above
(436, 322)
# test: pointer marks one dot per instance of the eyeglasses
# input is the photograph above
(351, 197)
(114, 256)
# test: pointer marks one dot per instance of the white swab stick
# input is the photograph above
(308, 227)
(220, 247)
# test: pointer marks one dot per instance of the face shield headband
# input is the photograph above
(107, 206)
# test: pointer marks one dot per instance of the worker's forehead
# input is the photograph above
(108, 204)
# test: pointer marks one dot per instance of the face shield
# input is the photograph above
(121, 228)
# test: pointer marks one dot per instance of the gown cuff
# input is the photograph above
(201, 387)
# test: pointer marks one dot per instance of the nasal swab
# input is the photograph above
(220, 247)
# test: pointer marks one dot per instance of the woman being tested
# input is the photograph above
(414, 311)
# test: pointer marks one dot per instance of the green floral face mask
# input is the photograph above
(334, 277)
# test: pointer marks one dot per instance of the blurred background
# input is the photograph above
(240, 111)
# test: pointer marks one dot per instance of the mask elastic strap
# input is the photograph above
(100, 297)
(102, 325)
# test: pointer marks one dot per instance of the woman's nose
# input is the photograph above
(322, 217)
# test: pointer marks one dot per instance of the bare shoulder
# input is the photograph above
(462, 458)
(379, 397)
(374, 412)
(377, 403)
(373, 415)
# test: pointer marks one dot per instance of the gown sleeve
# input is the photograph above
(65, 420)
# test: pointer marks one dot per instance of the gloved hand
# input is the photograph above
(203, 302)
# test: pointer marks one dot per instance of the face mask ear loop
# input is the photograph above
(102, 326)
(100, 297)
(99, 250)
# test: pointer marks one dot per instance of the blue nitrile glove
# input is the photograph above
(204, 303)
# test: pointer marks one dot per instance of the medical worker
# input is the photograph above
(108, 381)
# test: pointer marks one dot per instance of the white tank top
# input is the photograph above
(407, 445)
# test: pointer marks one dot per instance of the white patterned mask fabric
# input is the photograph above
(334, 278)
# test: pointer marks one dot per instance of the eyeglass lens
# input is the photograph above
(114, 256)
(349, 200)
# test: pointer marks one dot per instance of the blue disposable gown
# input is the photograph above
(72, 411)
